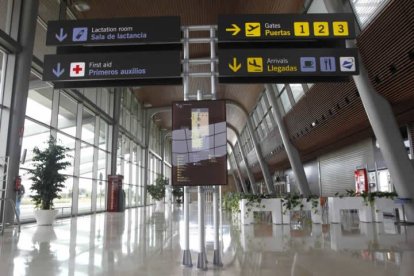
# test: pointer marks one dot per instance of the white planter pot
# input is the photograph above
(159, 206)
(337, 204)
(316, 213)
(382, 205)
(45, 217)
(270, 204)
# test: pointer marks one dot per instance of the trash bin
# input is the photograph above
(121, 201)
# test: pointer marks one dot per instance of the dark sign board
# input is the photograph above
(287, 65)
(117, 31)
(113, 66)
(199, 143)
(285, 27)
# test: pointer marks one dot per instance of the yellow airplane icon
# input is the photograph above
(252, 29)
(254, 64)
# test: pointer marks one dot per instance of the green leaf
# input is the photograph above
(46, 179)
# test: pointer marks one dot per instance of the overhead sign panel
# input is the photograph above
(199, 143)
(285, 27)
(113, 66)
(287, 65)
(119, 31)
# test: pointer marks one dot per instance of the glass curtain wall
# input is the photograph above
(366, 10)
(75, 123)
(154, 169)
(290, 94)
(262, 118)
(130, 160)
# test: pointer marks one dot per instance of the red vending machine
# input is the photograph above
(361, 181)
(114, 190)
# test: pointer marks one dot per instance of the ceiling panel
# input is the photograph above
(200, 12)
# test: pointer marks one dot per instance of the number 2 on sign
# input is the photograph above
(321, 28)
(301, 28)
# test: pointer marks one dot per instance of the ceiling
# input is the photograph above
(200, 12)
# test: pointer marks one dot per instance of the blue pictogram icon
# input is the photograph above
(308, 64)
(347, 64)
(328, 64)
(80, 34)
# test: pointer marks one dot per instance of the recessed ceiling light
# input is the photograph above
(146, 105)
(81, 5)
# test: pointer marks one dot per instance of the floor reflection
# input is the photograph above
(147, 241)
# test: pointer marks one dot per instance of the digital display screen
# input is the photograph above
(199, 138)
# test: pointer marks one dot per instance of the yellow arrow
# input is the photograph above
(235, 66)
(236, 29)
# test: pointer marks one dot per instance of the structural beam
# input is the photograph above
(20, 91)
(256, 146)
(243, 155)
(292, 152)
(244, 188)
(385, 127)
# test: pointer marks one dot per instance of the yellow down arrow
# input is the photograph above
(236, 29)
(235, 66)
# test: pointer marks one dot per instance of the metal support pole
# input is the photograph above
(386, 130)
(292, 153)
(162, 138)
(202, 258)
(186, 252)
(216, 217)
(20, 90)
(115, 129)
(146, 157)
(216, 193)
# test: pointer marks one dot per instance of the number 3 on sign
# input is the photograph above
(301, 28)
(340, 28)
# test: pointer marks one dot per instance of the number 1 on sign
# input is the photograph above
(301, 28)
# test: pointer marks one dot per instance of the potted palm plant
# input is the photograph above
(47, 180)
(157, 190)
(178, 194)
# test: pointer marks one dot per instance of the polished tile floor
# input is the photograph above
(145, 241)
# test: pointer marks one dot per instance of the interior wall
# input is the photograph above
(337, 167)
